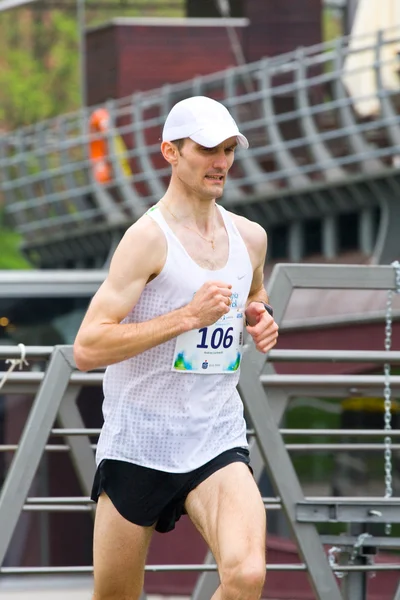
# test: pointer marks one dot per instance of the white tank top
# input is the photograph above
(176, 420)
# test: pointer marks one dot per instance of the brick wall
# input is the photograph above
(152, 56)
(101, 64)
(125, 56)
(129, 54)
(279, 26)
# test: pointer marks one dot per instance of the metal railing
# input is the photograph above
(266, 395)
(316, 509)
(302, 124)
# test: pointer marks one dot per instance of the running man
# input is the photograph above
(168, 324)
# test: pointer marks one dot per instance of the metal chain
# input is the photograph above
(387, 393)
(357, 545)
(335, 552)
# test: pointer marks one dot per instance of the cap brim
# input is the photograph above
(214, 137)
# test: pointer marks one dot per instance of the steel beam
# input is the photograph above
(354, 585)
(31, 447)
(347, 277)
(348, 541)
(342, 511)
(82, 454)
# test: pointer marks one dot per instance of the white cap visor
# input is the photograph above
(211, 137)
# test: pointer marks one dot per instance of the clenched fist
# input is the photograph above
(261, 326)
(210, 303)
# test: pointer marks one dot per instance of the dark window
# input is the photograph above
(40, 321)
(209, 8)
(278, 242)
(376, 220)
(348, 232)
(312, 231)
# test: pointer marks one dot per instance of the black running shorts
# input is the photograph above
(147, 496)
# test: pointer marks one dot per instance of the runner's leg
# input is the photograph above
(228, 511)
(119, 554)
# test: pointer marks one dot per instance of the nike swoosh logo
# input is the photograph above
(241, 276)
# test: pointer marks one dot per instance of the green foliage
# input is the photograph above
(332, 25)
(316, 466)
(10, 255)
(39, 59)
(38, 77)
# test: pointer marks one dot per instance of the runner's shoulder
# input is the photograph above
(146, 235)
(142, 250)
(253, 234)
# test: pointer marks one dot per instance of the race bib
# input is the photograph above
(213, 349)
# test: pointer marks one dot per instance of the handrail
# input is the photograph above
(317, 140)
(306, 355)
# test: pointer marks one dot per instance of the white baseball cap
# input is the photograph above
(203, 120)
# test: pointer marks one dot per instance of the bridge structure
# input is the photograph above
(337, 566)
(324, 130)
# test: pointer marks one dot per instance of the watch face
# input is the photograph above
(269, 309)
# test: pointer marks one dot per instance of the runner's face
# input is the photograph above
(204, 170)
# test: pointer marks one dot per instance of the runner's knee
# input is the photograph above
(245, 579)
(113, 588)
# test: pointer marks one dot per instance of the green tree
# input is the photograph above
(10, 254)
(39, 60)
(38, 77)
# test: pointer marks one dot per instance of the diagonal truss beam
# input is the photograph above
(397, 593)
(31, 447)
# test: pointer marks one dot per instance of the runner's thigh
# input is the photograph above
(119, 554)
(228, 510)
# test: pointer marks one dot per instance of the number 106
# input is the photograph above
(218, 338)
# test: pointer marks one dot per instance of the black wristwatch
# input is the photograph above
(267, 307)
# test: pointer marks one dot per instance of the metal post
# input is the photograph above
(354, 585)
(81, 452)
(350, 11)
(80, 14)
(33, 441)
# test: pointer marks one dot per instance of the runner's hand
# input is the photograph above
(210, 303)
(262, 328)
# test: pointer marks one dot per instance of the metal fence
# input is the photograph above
(305, 130)
(266, 395)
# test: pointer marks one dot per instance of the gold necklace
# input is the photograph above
(191, 228)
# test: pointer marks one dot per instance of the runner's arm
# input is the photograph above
(102, 339)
